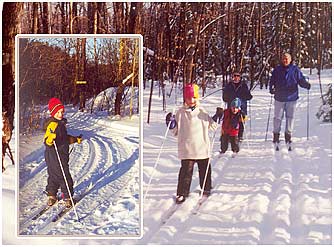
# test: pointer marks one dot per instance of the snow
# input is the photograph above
(105, 168)
(259, 197)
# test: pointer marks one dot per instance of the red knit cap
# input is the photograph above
(54, 106)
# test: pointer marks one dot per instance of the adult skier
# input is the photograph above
(284, 85)
(237, 89)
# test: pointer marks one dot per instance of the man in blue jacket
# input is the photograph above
(284, 85)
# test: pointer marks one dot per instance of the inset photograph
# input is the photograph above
(78, 136)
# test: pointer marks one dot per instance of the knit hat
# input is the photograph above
(54, 106)
(191, 91)
(236, 103)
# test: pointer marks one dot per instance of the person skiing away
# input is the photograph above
(237, 89)
(191, 125)
(232, 120)
(55, 131)
(284, 85)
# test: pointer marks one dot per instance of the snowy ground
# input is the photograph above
(259, 197)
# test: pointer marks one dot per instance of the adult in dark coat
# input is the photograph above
(237, 89)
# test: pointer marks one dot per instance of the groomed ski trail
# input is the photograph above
(105, 166)
(261, 196)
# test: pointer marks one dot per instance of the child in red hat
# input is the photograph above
(56, 131)
(191, 125)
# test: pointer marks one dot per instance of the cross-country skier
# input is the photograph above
(237, 89)
(191, 125)
(284, 85)
(232, 120)
(55, 127)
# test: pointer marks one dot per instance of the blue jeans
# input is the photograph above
(279, 109)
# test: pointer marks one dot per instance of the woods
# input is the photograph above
(188, 42)
(75, 70)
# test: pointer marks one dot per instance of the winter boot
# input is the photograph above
(206, 193)
(179, 199)
(276, 138)
(51, 200)
(68, 203)
(287, 138)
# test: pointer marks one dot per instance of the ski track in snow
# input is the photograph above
(104, 168)
(260, 197)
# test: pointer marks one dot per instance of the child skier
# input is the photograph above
(55, 127)
(232, 119)
(191, 124)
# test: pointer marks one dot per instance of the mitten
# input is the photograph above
(170, 121)
(219, 114)
(272, 90)
(79, 139)
(50, 134)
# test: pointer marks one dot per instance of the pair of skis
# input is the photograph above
(288, 145)
(176, 206)
(60, 213)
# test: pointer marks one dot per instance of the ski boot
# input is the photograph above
(68, 203)
(288, 141)
(276, 141)
(206, 193)
(180, 199)
(51, 200)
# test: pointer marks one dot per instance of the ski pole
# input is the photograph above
(245, 132)
(308, 113)
(271, 102)
(157, 160)
(207, 168)
(250, 121)
(68, 188)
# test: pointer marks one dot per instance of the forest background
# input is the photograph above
(183, 42)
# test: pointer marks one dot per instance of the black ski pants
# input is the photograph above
(225, 139)
(56, 177)
(186, 172)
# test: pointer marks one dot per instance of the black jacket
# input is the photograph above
(241, 91)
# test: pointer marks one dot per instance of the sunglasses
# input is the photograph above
(236, 75)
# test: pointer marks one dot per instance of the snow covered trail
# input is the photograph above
(105, 168)
(259, 197)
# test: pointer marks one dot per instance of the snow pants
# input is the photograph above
(279, 109)
(56, 178)
(186, 172)
(225, 139)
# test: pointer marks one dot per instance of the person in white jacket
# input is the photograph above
(191, 125)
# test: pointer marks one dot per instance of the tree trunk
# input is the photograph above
(120, 75)
(35, 18)
(11, 12)
(45, 19)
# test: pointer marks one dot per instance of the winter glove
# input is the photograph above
(79, 139)
(170, 121)
(308, 87)
(218, 115)
(50, 134)
(272, 90)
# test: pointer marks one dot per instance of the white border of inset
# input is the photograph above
(140, 78)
